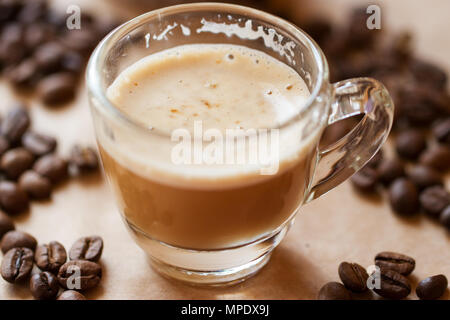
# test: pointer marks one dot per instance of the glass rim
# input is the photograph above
(96, 60)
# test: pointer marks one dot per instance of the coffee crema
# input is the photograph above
(225, 87)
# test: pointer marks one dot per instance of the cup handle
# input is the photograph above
(344, 157)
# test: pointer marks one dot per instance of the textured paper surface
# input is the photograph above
(339, 226)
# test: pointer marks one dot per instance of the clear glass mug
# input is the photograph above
(211, 234)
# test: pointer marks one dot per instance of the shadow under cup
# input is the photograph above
(208, 234)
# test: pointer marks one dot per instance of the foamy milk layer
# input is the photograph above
(223, 86)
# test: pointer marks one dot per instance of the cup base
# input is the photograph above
(219, 267)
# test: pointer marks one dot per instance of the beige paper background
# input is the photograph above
(339, 226)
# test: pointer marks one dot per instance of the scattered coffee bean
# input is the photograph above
(410, 144)
(17, 264)
(6, 224)
(429, 73)
(434, 200)
(403, 196)
(38, 144)
(393, 285)
(432, 288)
(50, 257)
(87, 248)
(365, 180)
(35, 185)
(445, 217)
(334, 291)
(15, 124)
(84, 158)
(12, 198)
(424, 176)
(48, 56)
(24, 74)
(389, 170)
(71, 295)
(437, 157)
(353, 276)
(4, 145)
(57, 88)
(52, 167)
(395, 261)
(44, 286)
(17, 239)
(441, 131)
(15, 161)
(90, 274)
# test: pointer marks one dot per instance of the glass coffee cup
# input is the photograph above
(218, 224)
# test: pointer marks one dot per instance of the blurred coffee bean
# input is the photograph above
(81, 40)
(57, 88)
(428, 73)
(432, 288)
(376, 160)
(44, 286)
(4, 145)
(445, 217)
(393, 285)
(353, 276)
(32, 11)
(52, 167)
(437, 157)
(71, 295)
(12, 198)
(37, 34)
(424, 176)
(17, 239)
(434, 200)
(403, 196)
(15, 124)
(90, 274)
(17, 264)
(395, 261)
(35, 185)
(87, 248)
(8, 9)
(72, 62)
(410, 143)
(38, 144)
(365, 180)
(441, 131)
(50, 257)
(389, 170)
(11, 44)
(6, 224)
(15, 161)
(84, 158)
(24, 74)
(48, 56)
(334, 291)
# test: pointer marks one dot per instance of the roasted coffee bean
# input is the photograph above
(52, 167)
(389, 170)
(84, 158)
(12, 198)
(437, 157)
(6, 224)
(36, 34)
(17, 239)
(424, 176)
(50, 257)
(393, 285)
(38, 144)
(428, 73)
(71, 295)
(57, 88)
(72, 62)
(11, 44)
(35, 185)
(410, 143)
(395, 261)
(17, 264)
(44, 286)
(445, 217)
(441, 131)
(365, 180)
(48, 56)
(434, 200)
(32, 11)
(432, 288)
(4, 145)
(24, 74)
(8, 9)
(334, 291)
(376, 160)
(15, 161)
(403, 196)
(87, 248)
(90, 274)
(353, 276)
(15, 124)
(82, 40)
